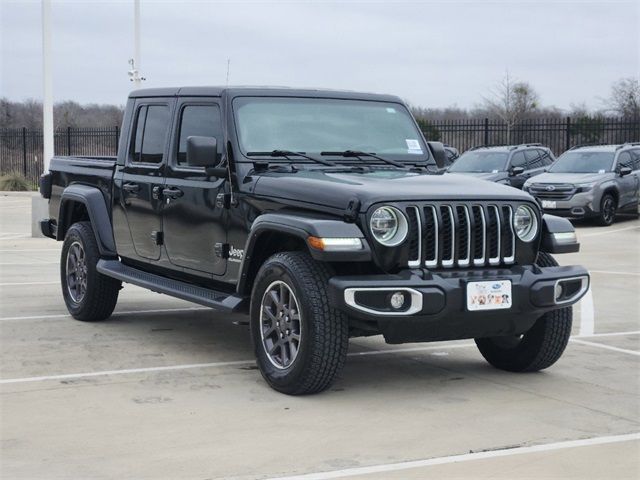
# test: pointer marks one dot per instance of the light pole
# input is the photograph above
(47, 86)
(134, 62)
(40, 206)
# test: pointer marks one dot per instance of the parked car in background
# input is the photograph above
(594, 181)
(507, 164)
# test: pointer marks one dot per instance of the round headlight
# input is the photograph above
(389, 226)
(525, 223)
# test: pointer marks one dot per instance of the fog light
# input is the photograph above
(397, 300)
(559, 291)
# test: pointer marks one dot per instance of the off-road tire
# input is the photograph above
(324, 329)
(606, 217)
(101, 294)
(538, 348)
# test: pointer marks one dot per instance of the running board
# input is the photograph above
(221, 301)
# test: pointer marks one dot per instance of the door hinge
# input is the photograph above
(221, 250)
(225, 200)
(158, 237)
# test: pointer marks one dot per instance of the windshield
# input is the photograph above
(315, 125)
(583, 162)
(480, 162)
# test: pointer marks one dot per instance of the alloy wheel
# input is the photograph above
(76, 272)
(280, 324)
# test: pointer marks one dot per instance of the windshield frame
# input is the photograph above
(611, 168)
(409, 159)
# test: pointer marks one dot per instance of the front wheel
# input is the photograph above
(607, 210)
(539, 347)
(89, 295)
(300, 340)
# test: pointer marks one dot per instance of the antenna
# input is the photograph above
(228, 68)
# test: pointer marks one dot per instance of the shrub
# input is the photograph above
(14, 182)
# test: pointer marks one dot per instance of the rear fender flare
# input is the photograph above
(93, 200)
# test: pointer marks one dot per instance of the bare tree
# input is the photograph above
(511, 101)
(625, 98)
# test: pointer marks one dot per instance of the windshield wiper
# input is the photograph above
(357, 154)
(288, 153)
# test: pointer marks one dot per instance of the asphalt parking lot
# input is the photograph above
(165, 389)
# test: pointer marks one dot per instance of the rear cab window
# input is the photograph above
(150, 134)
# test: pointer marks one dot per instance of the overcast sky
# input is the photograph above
(433, 54)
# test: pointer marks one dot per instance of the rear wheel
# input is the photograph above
(89, 295)
(538, 348)
(608, 206)
(299, 339)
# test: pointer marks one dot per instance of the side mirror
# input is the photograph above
(622, 171)
(516, 171)
(202, 152)
(439, 153)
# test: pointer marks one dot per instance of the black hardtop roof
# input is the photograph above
(260, 92)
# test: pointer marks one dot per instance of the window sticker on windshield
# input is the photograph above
(601, 171)
(494, 171)
(391, 110)
(413, 146)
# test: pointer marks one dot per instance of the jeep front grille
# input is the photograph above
(452, 235)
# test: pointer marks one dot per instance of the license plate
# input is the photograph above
(492, 295)
(548, 204)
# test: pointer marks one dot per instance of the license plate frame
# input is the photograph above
(550, 204)
(489, 295)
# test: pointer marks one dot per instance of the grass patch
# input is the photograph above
(14, 182)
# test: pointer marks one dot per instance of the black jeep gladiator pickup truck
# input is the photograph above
(314, 213)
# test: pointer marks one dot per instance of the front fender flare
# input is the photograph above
(302, 227)
(552, 225)
(93, 200)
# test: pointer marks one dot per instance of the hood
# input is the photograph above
(336, 189)
(550, 177)
(490, 176)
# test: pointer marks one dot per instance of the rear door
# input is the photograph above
(142, 175)
(628, 185)
(194, 222)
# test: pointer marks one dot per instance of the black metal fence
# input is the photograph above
(21, 149)
(557, 134)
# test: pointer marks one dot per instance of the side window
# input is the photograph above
(545, 156)
(198, 121)
(151, 127)
(533, 158)
(518, 160)
(635, 156)
(624, 160)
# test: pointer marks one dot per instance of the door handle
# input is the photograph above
(131, 187)
(172, 193)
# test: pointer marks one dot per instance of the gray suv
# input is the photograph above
(591, 181)
(507, 164)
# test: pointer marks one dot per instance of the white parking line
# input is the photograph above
(31, 250)
(587, 316)
(30, 263)
(101, 373)
(606, 232)
(606, 347)
(116, 314)
(13, 284)
(465, 457)
(388, 351)
(610, 334)
(610, 272)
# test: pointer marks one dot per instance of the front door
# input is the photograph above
(193, 222)
(628, 185)
(142, 177)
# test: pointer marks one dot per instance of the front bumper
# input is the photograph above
(437, 308)
(580, 205)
